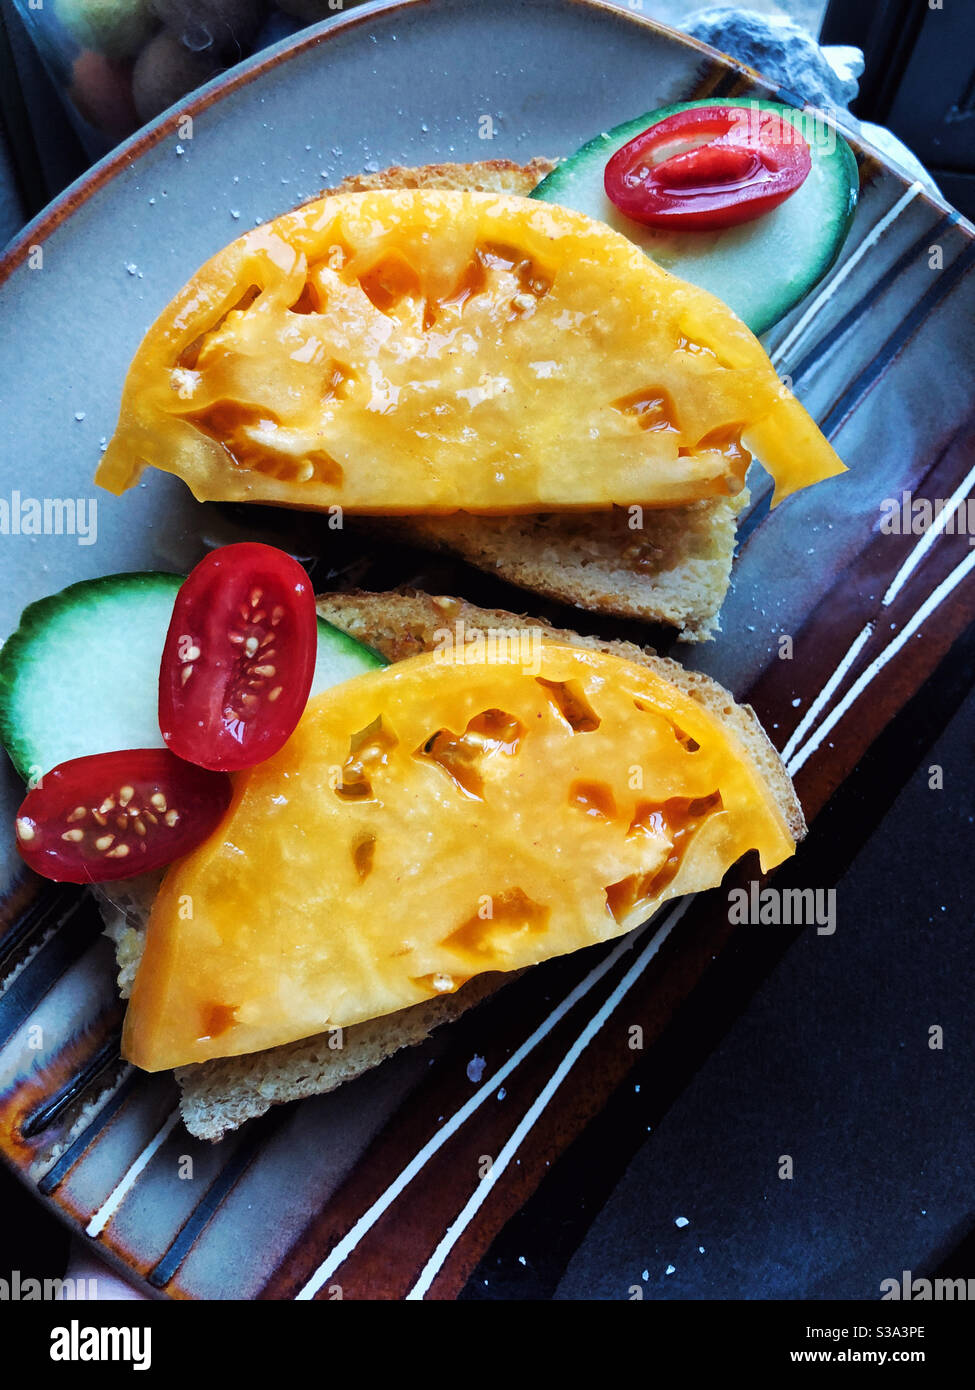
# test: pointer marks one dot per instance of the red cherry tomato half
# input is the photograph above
(239, 657)
(708, 167)
(115, 815)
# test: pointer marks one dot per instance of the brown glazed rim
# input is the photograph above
(78, 193)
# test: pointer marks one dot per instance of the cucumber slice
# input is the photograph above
(761, 269)
(81, 673)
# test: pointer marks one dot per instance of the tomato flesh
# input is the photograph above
(707, 168)
(239, 657)
(115, 815)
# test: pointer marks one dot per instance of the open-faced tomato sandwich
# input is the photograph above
(353, 817)
(499, 361)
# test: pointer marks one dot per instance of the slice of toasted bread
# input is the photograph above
(670, 566)
(486, 176)
(220, 1095)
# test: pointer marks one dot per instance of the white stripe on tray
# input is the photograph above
(914, 558)
(929, 537)
(827, 692)
(119, 1193)
(341, 1252)
(849, 265)
(933, 601)
(436, 1261)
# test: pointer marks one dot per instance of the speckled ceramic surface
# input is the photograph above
(376, 1189)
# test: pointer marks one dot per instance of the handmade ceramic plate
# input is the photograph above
(379, 1190)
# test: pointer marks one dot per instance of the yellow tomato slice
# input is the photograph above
(435, 820)
(422, 351)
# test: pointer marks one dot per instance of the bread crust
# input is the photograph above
(484, 176)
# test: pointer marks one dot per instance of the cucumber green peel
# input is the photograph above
(760, 269)
(81, 673)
